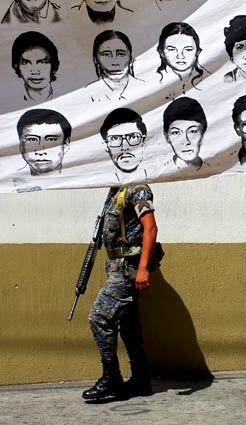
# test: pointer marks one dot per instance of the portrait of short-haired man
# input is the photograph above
(101, 12)
(36, 11)
(184, 125)
(239, 119)
(235, 43)
(35, 60)
(124, 134)
(44, 136)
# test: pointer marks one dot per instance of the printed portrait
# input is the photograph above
(239, 119)
(159, 3)
(184, 125)
(101, 12)
(113, 60)
(235, 43)
(36, 11)
(35, 60)
(179, 50)
(124, 134)
(44, 137)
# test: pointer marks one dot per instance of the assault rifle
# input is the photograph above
(89, 259)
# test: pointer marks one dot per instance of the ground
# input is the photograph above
(174, 403)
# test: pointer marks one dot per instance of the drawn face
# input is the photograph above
(42, 147)
(180, 52)
(35, 68)
(159, 3)
(125, 146)
(240, 127)
(185, 138)
(114, 58)
(239, 55)
(101, 5)
(32, 5)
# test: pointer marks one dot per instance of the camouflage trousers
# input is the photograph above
(114, 311)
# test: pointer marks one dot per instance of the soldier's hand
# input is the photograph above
(142, 280)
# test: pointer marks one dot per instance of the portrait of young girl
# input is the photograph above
(179, 50)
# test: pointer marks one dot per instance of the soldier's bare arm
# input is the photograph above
(148, 222)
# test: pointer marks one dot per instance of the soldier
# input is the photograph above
(129, 242)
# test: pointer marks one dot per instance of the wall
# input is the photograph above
(193, 316)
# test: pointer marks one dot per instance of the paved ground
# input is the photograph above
(174, 403)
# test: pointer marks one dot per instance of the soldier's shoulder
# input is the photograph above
(140, 192)
(139, 186)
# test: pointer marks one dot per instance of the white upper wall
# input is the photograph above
(209, 210)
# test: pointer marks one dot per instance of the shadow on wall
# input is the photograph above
(170, 339)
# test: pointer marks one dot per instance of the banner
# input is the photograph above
(109, 92)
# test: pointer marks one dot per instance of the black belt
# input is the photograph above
(123, 252)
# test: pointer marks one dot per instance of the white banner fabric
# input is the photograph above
(110, 92)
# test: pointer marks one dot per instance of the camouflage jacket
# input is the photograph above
(138, 200)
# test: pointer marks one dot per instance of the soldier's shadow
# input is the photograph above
(171, 345)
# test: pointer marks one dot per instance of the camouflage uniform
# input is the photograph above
(116, 306)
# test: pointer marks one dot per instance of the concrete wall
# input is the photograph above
(193, 316)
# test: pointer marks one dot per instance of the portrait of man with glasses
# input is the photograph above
(239, 118)
(124, 133)
(184, 125)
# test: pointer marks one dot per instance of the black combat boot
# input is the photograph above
(139, 384)
(110, 384)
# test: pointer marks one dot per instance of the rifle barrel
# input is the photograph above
(89, 258)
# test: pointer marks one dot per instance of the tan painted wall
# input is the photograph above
(193, 316)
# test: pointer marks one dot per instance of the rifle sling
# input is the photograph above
(120, 204)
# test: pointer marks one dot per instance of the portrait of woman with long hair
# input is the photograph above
(179, 50)
(113, 60)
